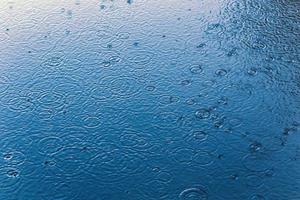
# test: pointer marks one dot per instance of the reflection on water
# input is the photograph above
(136, 99)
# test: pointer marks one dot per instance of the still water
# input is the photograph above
(149, 100)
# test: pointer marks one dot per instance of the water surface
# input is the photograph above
(149, 99)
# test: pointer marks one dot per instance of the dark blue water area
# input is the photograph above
(150, 100)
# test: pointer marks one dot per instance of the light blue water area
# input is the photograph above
(150, 100)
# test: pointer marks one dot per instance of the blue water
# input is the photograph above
(150, 100)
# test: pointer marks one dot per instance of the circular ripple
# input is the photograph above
(140, 57)
(257, 162)
(114, 165)
(51, 99)
(183, 155)
(10, 178)
(21, 104)
(203, 158)
(122, 86)
(194, 193)
(53, 62)
(203, 113)
(14, 158)
(71, 161)
(167, 120)
(135, 140)
(101, 93)
(221, 72)
(92, 121)
(50, 145)
(196, 69)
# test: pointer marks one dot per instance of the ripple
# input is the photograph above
(252, 71)
(10, 178)
(199, 135)
(140, 57)
(50, 145)
(71, 161)
(203, 113)
(167, 120)
(52, 99)
(135, 140)
(21, 104)
(53, 62)
(257, 163)
(196, 69)
(215, 29)
(221, 72)
(123, 35)
(14, 158)
(203, 159)
(4, 84)
(183, 155)
(92, 121)
(122, 86)
(194, 193)
(168, 99)
(113, 166)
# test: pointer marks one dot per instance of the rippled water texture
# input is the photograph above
(150, 100)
